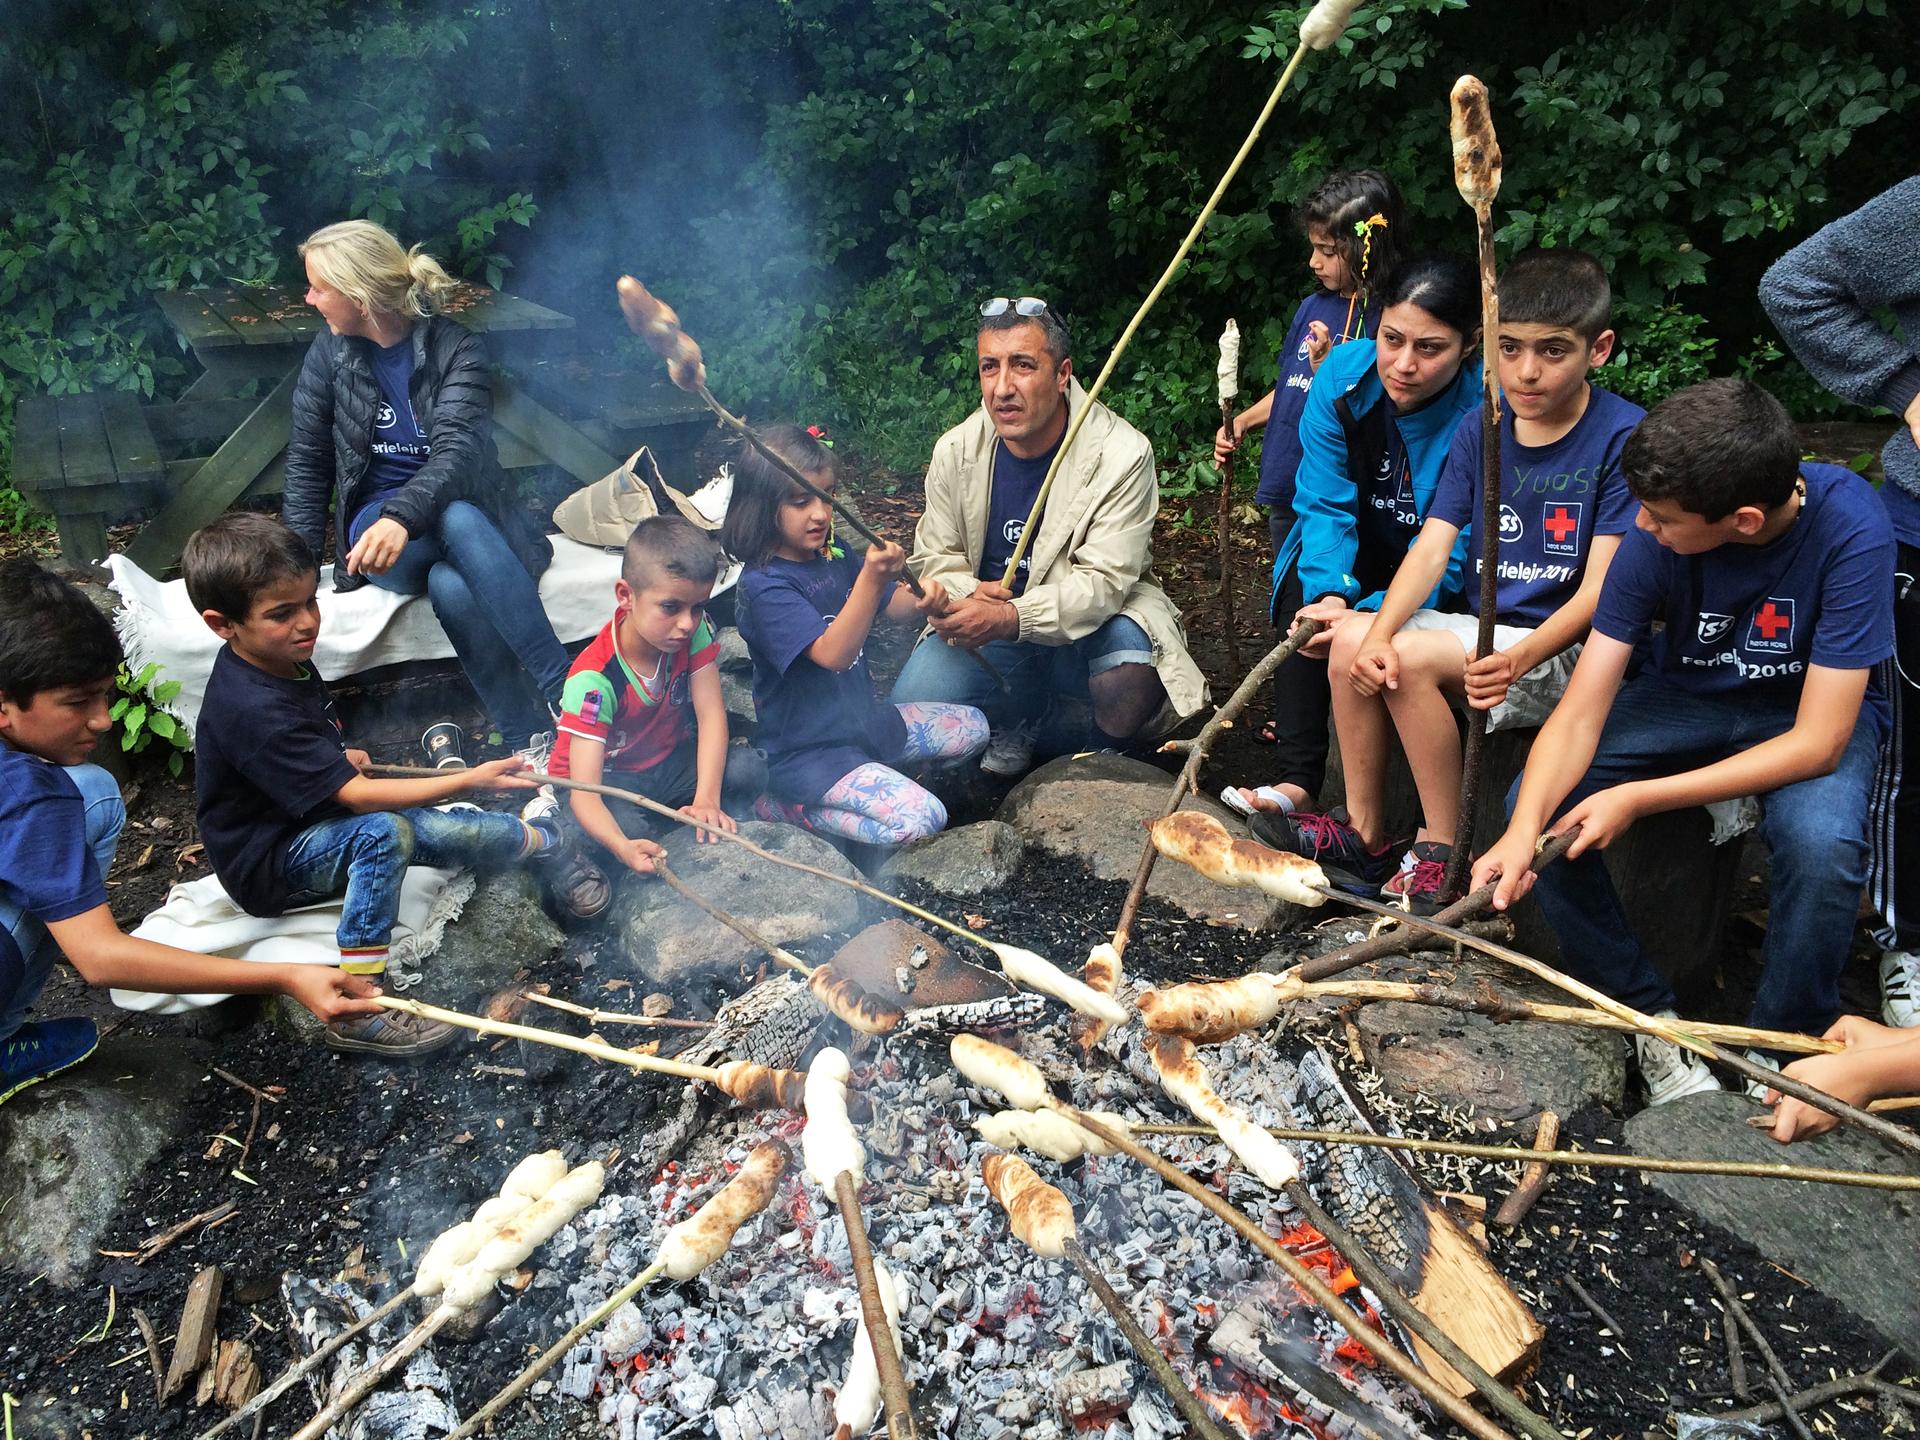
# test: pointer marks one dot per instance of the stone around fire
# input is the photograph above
(966, 861)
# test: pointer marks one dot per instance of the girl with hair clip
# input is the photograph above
(1355, 228)
(805, 610)
(393, 434)
(1374, 437)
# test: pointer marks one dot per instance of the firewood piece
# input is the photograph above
(161, 1239)
(145, 1327)
(1585, 1297)
(236, 1375)
(873, 1309)
(1736, 1361)
(1533, 1179)
(193, 1336)
(1777, 1378)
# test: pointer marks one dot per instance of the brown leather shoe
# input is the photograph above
(581, 887)
(392, 1033)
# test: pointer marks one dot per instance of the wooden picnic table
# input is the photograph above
(245, 336)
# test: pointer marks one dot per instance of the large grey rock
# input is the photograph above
(1856, 1245)
(75, 1145)
(1501, 1071)
(670, 940)
(969, 860)
(1094, 808)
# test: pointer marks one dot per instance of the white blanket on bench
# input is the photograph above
(361, 630)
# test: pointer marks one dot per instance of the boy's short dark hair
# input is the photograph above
(1565, 288)
(669, 545)
(51, 634)
(229, 561)
(1712, 448)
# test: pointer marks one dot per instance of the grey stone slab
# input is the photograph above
(966, 861)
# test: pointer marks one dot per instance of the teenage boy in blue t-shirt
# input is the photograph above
(1564, 506)
(59, 821)
(1775, 583)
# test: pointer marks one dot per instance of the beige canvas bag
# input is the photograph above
(605, 512)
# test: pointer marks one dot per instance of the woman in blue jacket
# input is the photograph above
(1373, 438)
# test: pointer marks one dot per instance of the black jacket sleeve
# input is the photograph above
(461, 433)
(308, 495)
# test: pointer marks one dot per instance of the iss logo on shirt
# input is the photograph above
(1511, 525)
(1712, 627)
(1560, 528)
(384, 417)
(1771, 628)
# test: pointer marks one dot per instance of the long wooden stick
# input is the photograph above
(1323, 967)
(1505, 1008)
(1585, 1159)
(1184, 1400)
(1196, 757)
(291, 1375)
(1455, 1409)
(733, 922)
(481, 1025)
(1476, 173)
(1895, 1135)
(886, 1353)
(1229, 388)
(613, 1017)
(369, 1379)
(557, 1352)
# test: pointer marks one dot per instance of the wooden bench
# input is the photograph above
(623, 406)
(88, 460)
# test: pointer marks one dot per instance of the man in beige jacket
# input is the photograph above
(1084, 619)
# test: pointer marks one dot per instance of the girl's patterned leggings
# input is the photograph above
(876, 804)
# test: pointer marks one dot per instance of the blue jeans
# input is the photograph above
(490, 608)
(1816, 834)
(1035, 673)
(365, 857)
(106, 814)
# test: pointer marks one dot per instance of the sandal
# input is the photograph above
(1264, 734)
(581, 887)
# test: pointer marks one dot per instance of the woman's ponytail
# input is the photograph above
(430, 286)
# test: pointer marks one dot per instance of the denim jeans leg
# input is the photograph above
(362, 857)
(466, 836)
(1817, 853)
(941, 672)
(490, 668)
(105, 816)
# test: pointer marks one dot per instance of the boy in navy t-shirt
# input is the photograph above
(1564, 506)
(1774, 580)
(60, 818)
(285, 813)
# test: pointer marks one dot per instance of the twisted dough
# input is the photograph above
(1209, 1013)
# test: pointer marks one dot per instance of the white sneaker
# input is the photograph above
(1009, 752)
(1669, 1071)
(1900, 988)
(545, 805)
(1757, 1089)
(537, 751)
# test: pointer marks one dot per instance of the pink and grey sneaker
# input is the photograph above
(1331, 842)
(1421, 878)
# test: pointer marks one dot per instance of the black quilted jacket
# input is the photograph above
(334, 402)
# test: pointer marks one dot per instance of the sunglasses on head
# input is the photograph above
(1027, 305)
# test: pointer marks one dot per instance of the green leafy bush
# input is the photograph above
(139, 709)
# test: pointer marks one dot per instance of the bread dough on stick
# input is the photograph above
(527, 1232)
(451, 1248)
(1209, 1013)
(1036, 972)
(535, 1175)
(1184, 1078)
(1326, 23)
(827, 1141)
(996, 1068)
(1048, 1132)
(1199, 840)
(703, 1236)
(857, 1405)
(861, 1010)
(1041, 1216)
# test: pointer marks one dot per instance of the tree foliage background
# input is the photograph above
(827, 188)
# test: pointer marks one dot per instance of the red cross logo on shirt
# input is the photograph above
(1559, 524)
(1770, 622)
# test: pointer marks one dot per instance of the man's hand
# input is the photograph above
(975, 620)
(992, 590)
(512, 773)
(374, 552)
(358, 759)
(1375, 668)
(1603, 817)
(710, 815)
(1509, 861)
(331, 994)
(1319, 342)
(932, 599)
(1329, 612)
(1489, 678)
(1226, 440)
(638, 853)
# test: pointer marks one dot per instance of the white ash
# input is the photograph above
(412, 1410)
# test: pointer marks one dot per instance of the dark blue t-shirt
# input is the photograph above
(816, 725)
(1015, 484)
(268, 757)
(1280, 449)
(1387, 509)
(400, 447)
(1553, 500)
(1745, 621)
(45, 866)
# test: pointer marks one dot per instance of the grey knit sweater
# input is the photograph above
(1820, 295)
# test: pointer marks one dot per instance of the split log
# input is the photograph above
(193, 1337)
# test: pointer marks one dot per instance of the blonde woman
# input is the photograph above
(393, 437)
